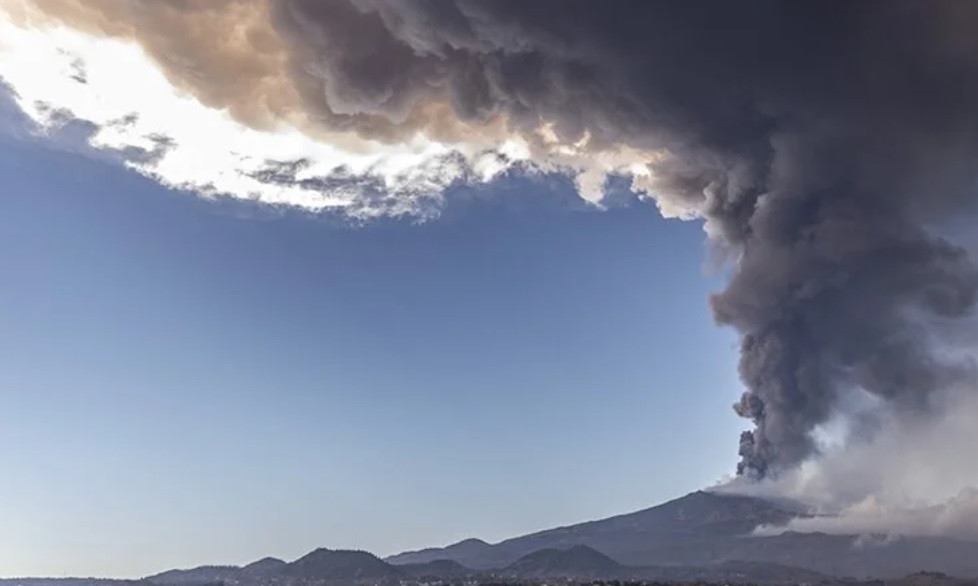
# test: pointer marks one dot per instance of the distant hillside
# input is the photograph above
(195, 576)
(437, 569)
(342, 565)
(579, 562)
(467, 549)
(627, 537)
(265, 567)
(585, 563)
(205, 575)
(709, 530)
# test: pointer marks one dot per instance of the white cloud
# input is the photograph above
(61, 75)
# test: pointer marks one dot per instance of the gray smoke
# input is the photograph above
(825, 144)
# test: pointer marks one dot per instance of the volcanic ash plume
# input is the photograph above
(912, 476)
(827, 146)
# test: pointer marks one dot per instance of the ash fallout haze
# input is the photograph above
(829, 150)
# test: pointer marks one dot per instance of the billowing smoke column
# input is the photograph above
(824, 143)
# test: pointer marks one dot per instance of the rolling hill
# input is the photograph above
(580, 561)
(437, 569)
(345, 566)
(342, 565)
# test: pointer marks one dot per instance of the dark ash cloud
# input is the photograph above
(824, 143)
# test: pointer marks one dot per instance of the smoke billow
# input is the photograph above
(912, 476)
(824, 144)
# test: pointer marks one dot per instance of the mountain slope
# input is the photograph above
(349, 565)
(264, 568)
(437, 569)
(626, 538)
(709, 530)
(466, 549)
(195, 576)
(580, 562)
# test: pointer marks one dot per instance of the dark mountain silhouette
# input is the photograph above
(346, 567)
(584, 563)
(265, 567)
(195, 576)
(205, 575)
(580, 562)
(437, 569)
(467, 549)
(342, 565)
(322, 564)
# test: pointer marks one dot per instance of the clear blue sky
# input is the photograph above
(187, 382)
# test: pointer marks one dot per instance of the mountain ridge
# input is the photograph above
(342, 564)
(697, 513)
(579, 561)
(707, 529)
(701, 536)
(355, 567)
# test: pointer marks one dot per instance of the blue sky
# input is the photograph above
(189, 382)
